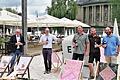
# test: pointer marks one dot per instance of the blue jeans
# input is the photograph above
(15, 55)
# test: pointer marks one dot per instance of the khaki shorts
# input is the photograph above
(111, 59)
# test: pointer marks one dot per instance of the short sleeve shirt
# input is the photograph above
(49, 38)
(112, 43)
(81, 40)
(93, 41)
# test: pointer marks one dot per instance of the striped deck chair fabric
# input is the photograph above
(22, 67)
(4, 63)
(72, 70)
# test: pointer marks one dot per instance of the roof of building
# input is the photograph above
(86, 2)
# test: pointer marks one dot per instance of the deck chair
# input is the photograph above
(4, 64)
(71, 70)
(56, 61)
(107, 71)
(20, 68)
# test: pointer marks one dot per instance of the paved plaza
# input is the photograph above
(37, 70)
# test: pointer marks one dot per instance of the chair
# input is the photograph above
(56, 61)
(4, 64)
(71, 70)
(107, 71)
(20, 68)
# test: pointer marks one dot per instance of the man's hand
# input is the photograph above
(18, 43)
(104, 45)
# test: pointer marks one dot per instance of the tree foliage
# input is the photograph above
(63, 8)
(11, 10)
(115, 9)
(0, 9)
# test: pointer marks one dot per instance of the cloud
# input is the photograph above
(9, 3)
(33, 5)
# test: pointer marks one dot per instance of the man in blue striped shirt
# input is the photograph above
(111, 44)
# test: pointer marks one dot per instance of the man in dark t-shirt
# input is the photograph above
(95, 43)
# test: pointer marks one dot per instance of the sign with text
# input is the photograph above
(67, 47)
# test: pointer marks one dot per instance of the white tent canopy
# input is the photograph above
(8, 18)
(47, 20)
(67, 22)
(80, 23)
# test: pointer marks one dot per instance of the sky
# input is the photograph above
(34, 6)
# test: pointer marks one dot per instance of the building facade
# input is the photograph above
(95, 12)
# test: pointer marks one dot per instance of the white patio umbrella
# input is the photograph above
(49, 21)
(7, 32)
(66, 33)
(11, 31)
(67, 22)
(72, 32)
(9, 18)
(80, 23)
(56, 33)
(115, 28)
(69, 32)
(52, 31)
(88, 31)
(103, 34)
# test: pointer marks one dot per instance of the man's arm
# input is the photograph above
(118, 48)
(104, 42)
(87, 49)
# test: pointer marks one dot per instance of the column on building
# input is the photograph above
(94, 20)
(102, 13)
(87, 14)
(108, 13)
(92, 14)
(82, 13)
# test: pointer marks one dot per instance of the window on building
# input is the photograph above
(97, 13)
(90, 15)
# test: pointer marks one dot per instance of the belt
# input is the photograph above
(47, 48)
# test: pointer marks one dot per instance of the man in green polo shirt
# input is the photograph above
(80, 44)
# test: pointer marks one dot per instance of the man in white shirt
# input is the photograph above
(46, 40)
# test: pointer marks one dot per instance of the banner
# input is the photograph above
(67, 47)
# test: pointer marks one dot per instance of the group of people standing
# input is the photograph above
(89, 44)
(83, 44)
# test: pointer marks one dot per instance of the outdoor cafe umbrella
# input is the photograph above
(115, 28)
(80, 23)
(8, 18)
(49, 21)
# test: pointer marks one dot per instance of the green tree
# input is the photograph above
(115, 9)
(0, 9)
(11, 10)
(63, 8)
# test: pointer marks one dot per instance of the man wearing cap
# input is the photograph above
(46, 40)
(17, 42)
